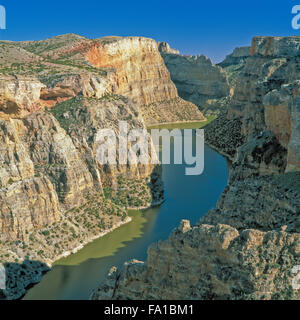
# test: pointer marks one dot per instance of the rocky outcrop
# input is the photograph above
(19, 96)
(141, 73)
(68, 86)
(237, 57)
(209, 263)
(26, 206)
(198, 80)
(266, 95)
(164, 47)
(234, 64)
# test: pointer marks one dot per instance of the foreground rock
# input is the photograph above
(209, 262)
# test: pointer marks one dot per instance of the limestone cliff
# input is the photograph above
(237, 57)
(198, 80)
(142, 76)
(265, 97)
(234, 64)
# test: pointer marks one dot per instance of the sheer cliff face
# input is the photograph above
(198, 80)
(40, 168)
(266, 95)
(141, 73)
(69, 65)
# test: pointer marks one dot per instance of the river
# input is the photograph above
(187, 197)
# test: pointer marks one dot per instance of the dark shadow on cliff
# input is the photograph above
(156, 186)
(20, 277)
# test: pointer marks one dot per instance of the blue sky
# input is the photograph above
(213, 28)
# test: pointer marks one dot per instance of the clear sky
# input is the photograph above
(211, 27)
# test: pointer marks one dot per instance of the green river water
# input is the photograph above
(187, 197)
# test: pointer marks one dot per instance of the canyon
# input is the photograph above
(55, 197)
(55, 95)
(247, 247)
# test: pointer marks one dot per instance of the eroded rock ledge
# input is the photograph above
(209, 262)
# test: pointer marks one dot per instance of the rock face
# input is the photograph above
(142, 76)
(266, 94)
(164, 47)
(282, 117)
(238, 56)
(60, 68)
(197, 79)
(141, 73)
(19, 96)
(247, 247)
(26, 206)
(211, 262)
(234, 64)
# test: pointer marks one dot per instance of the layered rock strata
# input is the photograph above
(198, 80)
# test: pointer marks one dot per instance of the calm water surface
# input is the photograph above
(187, 197)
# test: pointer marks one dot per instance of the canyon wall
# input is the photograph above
(142, 75)
(198, 80)
(69, 65)
(266, 97)
(237, 57)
